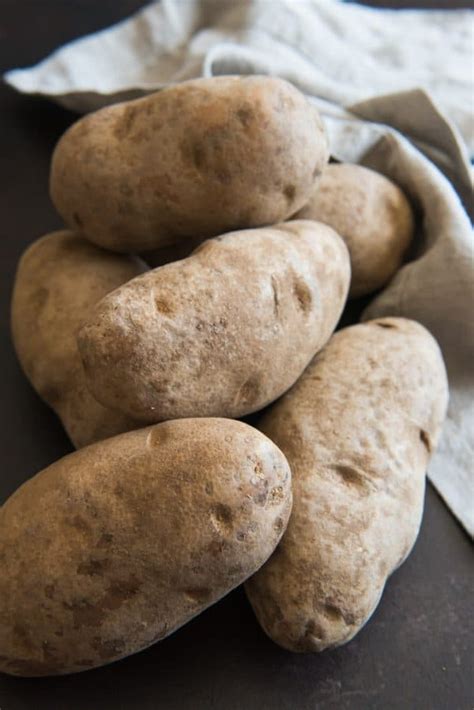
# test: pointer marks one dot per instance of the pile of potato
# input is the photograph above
(170, 502)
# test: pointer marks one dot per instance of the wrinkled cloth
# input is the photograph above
(395, 92)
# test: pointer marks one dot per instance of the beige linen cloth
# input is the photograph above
(395, 91)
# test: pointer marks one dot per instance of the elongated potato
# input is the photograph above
(116, 546)
(371, 214)
(199, 158)
(221, 333)
(59, 278)
(358, 430)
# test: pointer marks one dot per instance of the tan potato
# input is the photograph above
(114, 547)
(59, 278)
(199, 158)
(371, 214)
(221, 333)
(358, 430)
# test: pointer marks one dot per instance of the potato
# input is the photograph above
(199, 158)
(358, 430)
(371, 214)
(59, 278)
(221, 333)
(115, 546)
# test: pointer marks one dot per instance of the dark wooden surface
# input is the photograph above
(416, 653)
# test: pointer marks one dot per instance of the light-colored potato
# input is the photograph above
(114, 547)
(371, 214)
(223, 332)
(358, 430)
(59, 278)
(199, 158)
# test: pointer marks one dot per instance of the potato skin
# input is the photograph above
(358, 430)
(371, 214)
(222, 333)
(117, 545)
(59, 278)
(200, 158)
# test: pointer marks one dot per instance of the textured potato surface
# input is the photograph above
(371, 214)
(197, 159)
(59, 278)
(358, 430)
(117, 545)
(221, 333)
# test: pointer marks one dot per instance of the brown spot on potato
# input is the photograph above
(276, 296)
(198, 595)
(84, 613)
(107, 649)
(249, 391)
(385, 325)
(77, 219)
(163, 306)
(48, 650)
(224, 176)
(121, 591)
(350, 475)
(92, 567)
(52, 394)
(222, 519)
(245, 116)
(156, 437)
(49, 591)
(22, 638)
(119, 491)
(40, 297)
(273, 610)
(125, 189)
(209, 488)
(216, 547)
(105, 540)
(235, 571)
(198, 156)
(425, 439)
(311, 629)
(332, 612)
(276, 495)
(289, 191)
(302, 294)
(125, 123)
(79, 524)
(125, 208)
(161, 633)
(278, 525)
(260, 498)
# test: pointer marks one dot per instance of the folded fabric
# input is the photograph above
(341, 52)
(395, 91)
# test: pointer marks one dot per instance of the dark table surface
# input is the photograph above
(415, 654)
